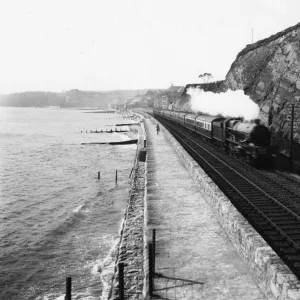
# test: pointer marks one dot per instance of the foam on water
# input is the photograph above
(106, 268)
(81, 209)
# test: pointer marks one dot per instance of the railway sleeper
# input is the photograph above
(260, 222)
(286, 222)
(285, 250)
(290, 226)
(262, 200)
(297, 265)
(286, 219)
(295, 232)
(246, 189)
(254, 194)
(270, 208)
(271, 232)
(292, 255)
(279, 240)
(275, 214)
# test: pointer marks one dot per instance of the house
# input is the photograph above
(169, 97)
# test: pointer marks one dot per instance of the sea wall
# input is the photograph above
(272, 276)
(130, 250)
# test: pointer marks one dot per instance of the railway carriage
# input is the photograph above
(157, 112)
(190, 121)
(181, 117)
(167, 114)
(204, 125)
(173, 116)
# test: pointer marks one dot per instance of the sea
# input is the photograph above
(57, 219)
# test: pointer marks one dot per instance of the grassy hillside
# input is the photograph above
(72, 98)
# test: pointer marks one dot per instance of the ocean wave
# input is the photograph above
(63, 227)
(82, 208)
(51, 297)
(107, 268)
(77, 213)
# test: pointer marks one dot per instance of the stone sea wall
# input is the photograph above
(131, 252)
(271, 274)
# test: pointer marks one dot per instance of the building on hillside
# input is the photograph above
(149, 100)
(169, 98)
(120, 106)
(136, 101)
(151, 97)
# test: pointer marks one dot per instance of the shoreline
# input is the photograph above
(131, 240)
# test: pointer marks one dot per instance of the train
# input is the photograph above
(246, 140)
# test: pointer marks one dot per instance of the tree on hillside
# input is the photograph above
(205, 77)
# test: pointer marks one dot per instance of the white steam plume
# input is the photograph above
(229, 104)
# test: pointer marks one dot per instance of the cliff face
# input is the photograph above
(269, 72)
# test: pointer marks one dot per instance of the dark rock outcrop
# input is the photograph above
(269, 72)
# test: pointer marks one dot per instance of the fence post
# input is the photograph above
(153, 249)
(116, 175)
(68, 288)
(121, 281)
(292, 137)
(150, 256)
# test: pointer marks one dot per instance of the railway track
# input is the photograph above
(269, 204)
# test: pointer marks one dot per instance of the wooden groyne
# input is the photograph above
(127, 124)
(135, 141)
(105, 131)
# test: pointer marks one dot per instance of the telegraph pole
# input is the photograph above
(292, 137)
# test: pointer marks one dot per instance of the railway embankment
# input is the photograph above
(180, 247)
(130, 249)
(272, 276)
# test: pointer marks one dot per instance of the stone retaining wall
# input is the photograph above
(271, 275)
(131, 252)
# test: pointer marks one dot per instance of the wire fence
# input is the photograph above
(165, 284)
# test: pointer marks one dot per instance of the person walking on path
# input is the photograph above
(157, 129)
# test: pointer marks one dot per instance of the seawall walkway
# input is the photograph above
(194, 257)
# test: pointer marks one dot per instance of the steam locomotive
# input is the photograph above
(249, 141)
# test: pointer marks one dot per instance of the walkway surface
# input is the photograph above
(194, 257)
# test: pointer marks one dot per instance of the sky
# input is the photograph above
(58, 45)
